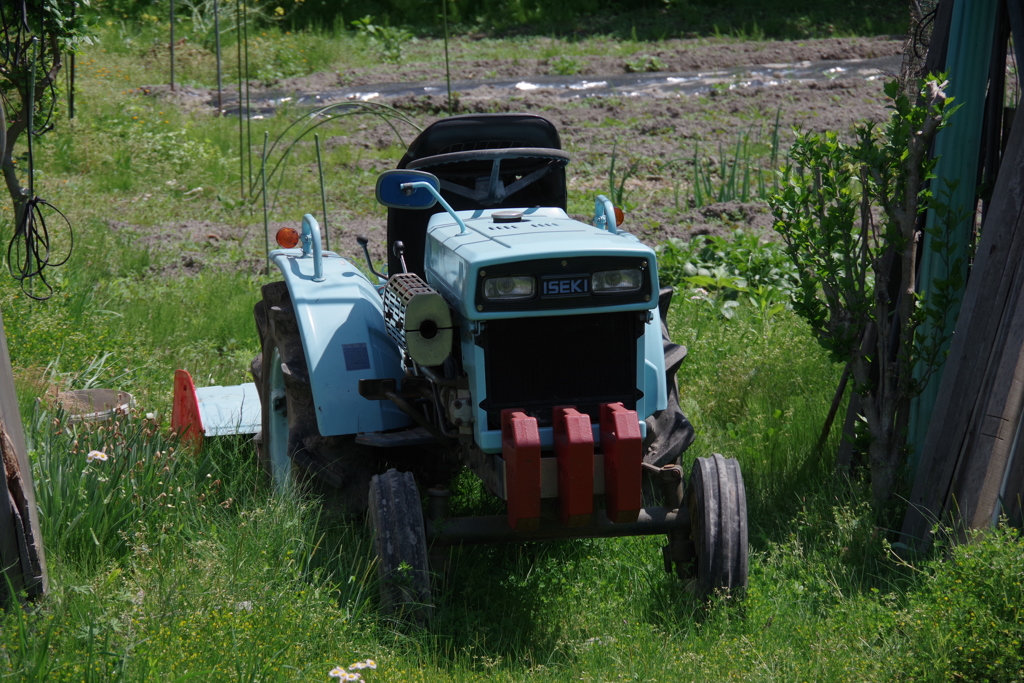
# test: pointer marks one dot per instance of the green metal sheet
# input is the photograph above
(972, 31)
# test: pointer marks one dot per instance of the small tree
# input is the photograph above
(34, 37)
(849, 214)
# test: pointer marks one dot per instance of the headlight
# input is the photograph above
(511, 287)
(617, 281)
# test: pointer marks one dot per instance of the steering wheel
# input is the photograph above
(537, 163)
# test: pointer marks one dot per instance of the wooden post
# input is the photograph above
(983, 329)
(976, 487)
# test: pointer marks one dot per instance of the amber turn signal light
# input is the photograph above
(620, 216)
(288, 238)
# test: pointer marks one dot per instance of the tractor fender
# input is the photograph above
(341, 322)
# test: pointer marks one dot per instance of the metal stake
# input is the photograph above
(248, 117)
(71, 88)
(71, 69)
(172, 45)
(447, 68)
(241, 131)
(216, 37)
(323, 193)
(266, 219)
(29, 113)
(29, 130)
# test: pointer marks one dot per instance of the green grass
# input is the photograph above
(167, 564)
(195, 569)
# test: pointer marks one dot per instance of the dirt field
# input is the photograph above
(651, 130)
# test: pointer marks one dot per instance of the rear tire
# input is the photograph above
(290, 447)
(400, 540)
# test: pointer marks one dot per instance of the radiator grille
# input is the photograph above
(540, 362)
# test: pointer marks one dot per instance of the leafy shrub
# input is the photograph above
(273, 60)
(644, 64)
(565, 66)
(389, 40)
(743, 259)
(969, 617)
(722, 269)
(824, 211)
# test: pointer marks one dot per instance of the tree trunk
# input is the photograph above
(883, 472)
(8, 136)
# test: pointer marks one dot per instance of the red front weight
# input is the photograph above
(520, 447)
(574, 449)
(623, 455)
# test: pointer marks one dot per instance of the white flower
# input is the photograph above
(368, 664)
(96, 455)
(342, 675)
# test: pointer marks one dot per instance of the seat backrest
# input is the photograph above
(467, 133)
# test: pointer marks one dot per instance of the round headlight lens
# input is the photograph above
(510, 287)
(617, 281)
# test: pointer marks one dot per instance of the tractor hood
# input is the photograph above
(515, 262)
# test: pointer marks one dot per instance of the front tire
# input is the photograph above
(400, 540)
(717, 502)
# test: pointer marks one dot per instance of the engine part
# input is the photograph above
(418, 319)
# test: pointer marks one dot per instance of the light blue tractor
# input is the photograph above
(506, 338)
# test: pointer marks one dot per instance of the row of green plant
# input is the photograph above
(651, 20)
(749, 172)
(741, 176)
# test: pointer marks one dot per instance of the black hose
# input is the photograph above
(29, 252)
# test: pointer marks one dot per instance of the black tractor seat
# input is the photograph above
(483, 161)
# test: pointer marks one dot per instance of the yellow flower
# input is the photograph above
(279, 11)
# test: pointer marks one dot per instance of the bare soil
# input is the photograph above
(664, 134)
(676, 56)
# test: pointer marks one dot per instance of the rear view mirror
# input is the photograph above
(392, 194)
